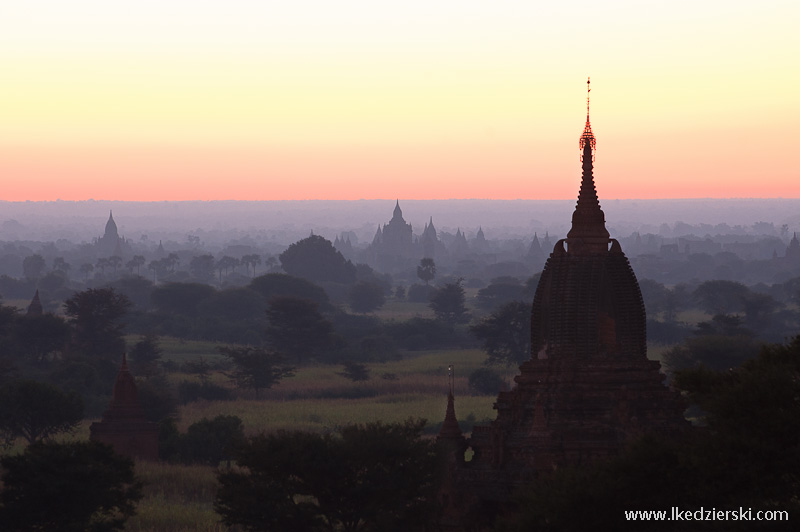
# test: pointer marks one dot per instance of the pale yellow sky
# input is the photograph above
(344, 100)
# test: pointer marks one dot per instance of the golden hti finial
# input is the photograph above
(588, 90)
(587, 137)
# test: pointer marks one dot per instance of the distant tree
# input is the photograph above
(115, 262)
(449, 303)
(70, 487)
(102, 263)
(138, 289)
(210, 441)
(36, 410)
(226, 263)
(426, 270)
(235, 304)
(366, 296)
(39, 337)
(86, 269)
(420, 293)
(281, 284)
(355, 371)
(172, 260)
(145, 355)
(400, 292)
(202, 267)
(296, 329)
(181, 298)
(719, 344)
(33, 266)
(505, 334)
(95, 315)
(721, 297)
(367, 477)
(136, 262)
(316, 259)
(256, 368)
(500, 291)
(59, 264)
(251, 261)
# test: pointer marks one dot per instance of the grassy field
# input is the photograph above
(179, 498)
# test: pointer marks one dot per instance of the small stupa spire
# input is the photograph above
(450, 429)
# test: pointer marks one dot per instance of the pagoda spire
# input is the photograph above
(588, 220)
(450, 429)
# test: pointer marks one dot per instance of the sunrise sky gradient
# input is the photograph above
(275, 100)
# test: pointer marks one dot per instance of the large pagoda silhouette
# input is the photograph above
(588, 388)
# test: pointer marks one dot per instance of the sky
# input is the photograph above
(435, 99)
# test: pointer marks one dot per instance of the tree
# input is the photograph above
(210, 441)
(506, 333)
(35, 410)
(251, 261)
(296, 329)
(33, 266)
(38, 337)
(86, 269)
(145, 355)
(448, 303)
(314, 258)
(366, 477)
(426, 270)
(721, 297)
(226, 263)
(203, 267)
(355, 371)
(115, 262)
(720, 343)
(500, 291)
(59, 264)
(70, 487)
(365, 297)
(136, 262)
(102, 263)
(181, 298)
(256, 368)
(280, 284)
(95, 315)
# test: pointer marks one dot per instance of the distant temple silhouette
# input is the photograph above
(588, 388)
(111, 244)
(124, 426)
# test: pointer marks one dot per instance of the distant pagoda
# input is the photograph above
(124, 426)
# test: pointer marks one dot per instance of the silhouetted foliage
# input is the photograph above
(145, 356)
(202, 267)
(69, 487)
(95, 315)
(721, 297)
(366, 296)
(137, 289)
(719, 344)
(33, 267)
(157, 398)
(189, 391)
(355, 371)
(426, 270)
(208, 441)
(449, 303)
(281, 284)
(505, 334)
(314, 258)
(420, 293)
(296, 329)
(374, 477)
(181, 298)
(500, 291)
(38, 338)
(485, 381)
(256, 368)
(36, 410)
